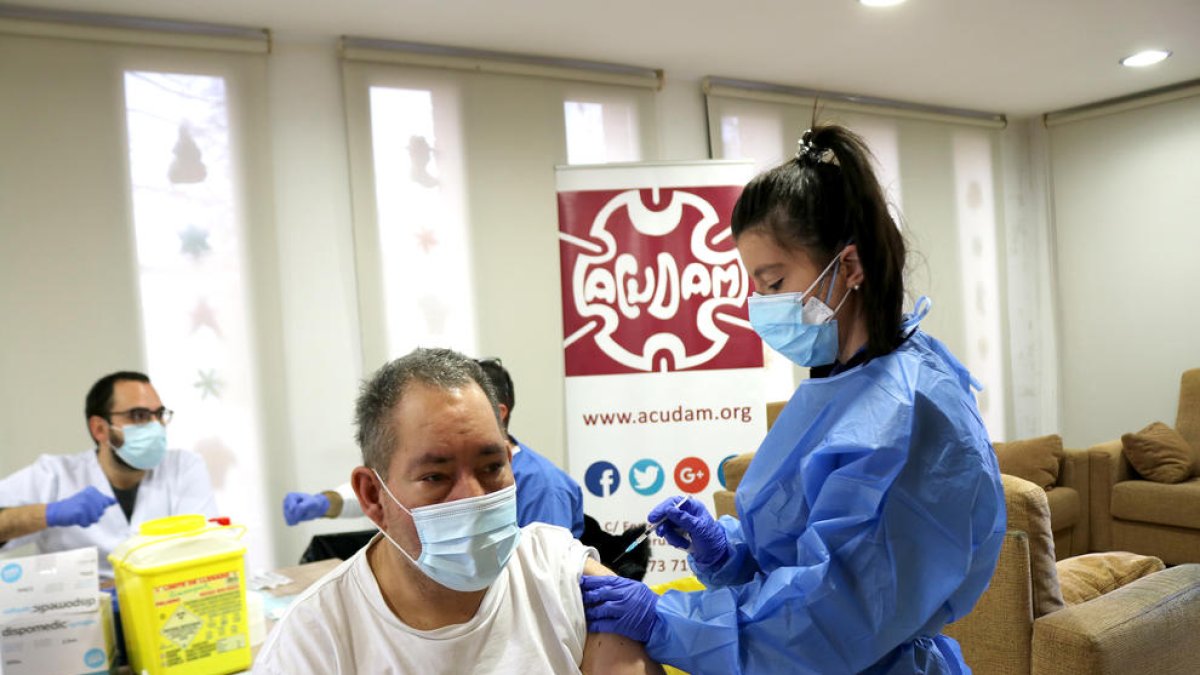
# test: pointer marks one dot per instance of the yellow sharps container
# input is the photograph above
(181, 585)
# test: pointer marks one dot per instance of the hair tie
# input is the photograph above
(807, 152)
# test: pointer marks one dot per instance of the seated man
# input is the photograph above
(450, 584)
(545, 493)
(61, 502)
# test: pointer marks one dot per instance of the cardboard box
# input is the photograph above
(53, 617)
(60, 642)
(51, 582)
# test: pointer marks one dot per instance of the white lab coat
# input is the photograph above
(180, 484)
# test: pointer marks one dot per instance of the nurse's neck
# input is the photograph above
(120, 475)
(852, 333)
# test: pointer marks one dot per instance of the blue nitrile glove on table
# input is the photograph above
(301, 506)
(619, 605)
(83, 508)
(705, 539)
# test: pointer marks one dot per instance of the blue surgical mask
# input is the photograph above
(804, 332)
(466, 543)
(145, 445)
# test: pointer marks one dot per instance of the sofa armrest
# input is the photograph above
(1107, 466)
(1075, 474)
(996, 636)
(1139, 628)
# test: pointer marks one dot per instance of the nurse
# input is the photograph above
(98, 497)
(872, 514)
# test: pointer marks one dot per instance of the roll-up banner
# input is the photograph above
(664, 375)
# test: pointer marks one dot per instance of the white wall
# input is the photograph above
(68, 279)
(319, 311)
(1126, 208)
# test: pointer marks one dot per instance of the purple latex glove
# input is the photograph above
(301, 506)
(619, 605)
(83, 508)
(691, 527)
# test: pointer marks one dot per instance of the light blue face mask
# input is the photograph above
(145, 445)
(466, 543)
(804, 332)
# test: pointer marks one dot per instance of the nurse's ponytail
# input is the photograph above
(828, 197)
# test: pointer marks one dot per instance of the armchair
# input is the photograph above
(1064, 473)
(1129, 513)
(1021, 624)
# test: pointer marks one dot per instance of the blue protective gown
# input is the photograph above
(545, 493)
(870, 517)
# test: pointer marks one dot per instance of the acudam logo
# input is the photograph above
(652, 282)
(646, 477)
(602, 479)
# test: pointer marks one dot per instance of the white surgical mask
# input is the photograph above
(466, 543)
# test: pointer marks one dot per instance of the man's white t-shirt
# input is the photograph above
(530, 620)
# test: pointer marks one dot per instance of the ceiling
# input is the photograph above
(1019, 57)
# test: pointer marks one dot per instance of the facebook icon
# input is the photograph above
(602, 479)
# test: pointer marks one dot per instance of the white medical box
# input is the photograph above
(53, 616)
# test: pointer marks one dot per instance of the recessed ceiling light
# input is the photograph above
(880, 3)
(1145, 58)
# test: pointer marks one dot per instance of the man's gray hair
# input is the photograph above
(379, 396)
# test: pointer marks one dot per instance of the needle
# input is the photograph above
(639, 540)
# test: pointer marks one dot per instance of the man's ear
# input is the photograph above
(503, 417)
(98, 428)
(370, 496)
(852, 266)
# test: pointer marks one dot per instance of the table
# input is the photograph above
(302, 577)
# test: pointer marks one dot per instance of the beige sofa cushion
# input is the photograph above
(1037, 460)
(1089, 576)
(1149, 502)
(1064, 508)
(1159, 453)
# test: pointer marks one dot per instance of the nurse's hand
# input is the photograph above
(301, 506)
(619, 605)
(83, 508)
(691, 527)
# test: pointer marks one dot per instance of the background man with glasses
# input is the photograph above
(61, 502)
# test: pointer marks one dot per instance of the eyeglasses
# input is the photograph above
(144, 415)
(490, 361)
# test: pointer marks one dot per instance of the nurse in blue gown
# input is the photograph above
(872, 514)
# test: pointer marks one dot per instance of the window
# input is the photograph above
(424, 241)
(943, 172)
(193, 283)
(495, 132)
(601, 131)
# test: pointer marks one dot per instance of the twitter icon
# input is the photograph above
(646, 477)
